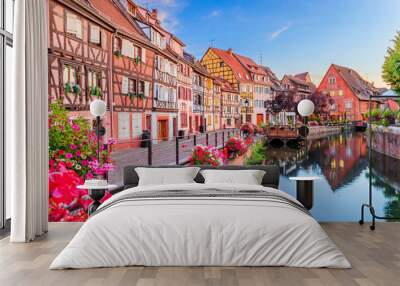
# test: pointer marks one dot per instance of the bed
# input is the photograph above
(198, 224)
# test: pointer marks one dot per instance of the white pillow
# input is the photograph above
(247, 177)
(166, 176)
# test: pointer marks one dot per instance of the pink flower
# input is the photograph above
(78, 153)
(84, 163)
(75, 127)
(72, 146)
(68, 155)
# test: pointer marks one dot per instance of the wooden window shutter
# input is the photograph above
(143, 56)
(125, 48)
(70, 23)
(78, 27)
(95, 34)
(125, 85)
(146, 89)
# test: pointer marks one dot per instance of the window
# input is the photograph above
(69, 74)
(93, 78)
(6, 66)
(221, 64)
(95, 35)
(127, 49)
(332, 80)
(73, 25)
(132, 86)
(348, 104)
(340, 92)
(117, 44)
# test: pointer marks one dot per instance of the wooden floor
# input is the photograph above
(375, 257)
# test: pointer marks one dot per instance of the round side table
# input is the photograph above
(305, 190)
(96, 193)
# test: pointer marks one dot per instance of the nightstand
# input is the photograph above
(305, 190)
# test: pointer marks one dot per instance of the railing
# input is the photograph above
(166, 151)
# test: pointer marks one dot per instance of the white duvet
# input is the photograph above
(200, 231)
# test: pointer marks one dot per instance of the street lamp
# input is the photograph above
(98, 108)
(305, 108)
(246, 104)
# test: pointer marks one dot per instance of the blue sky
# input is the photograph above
(292, 36)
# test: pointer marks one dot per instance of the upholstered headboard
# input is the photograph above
(270, 179)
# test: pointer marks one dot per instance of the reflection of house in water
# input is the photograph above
(287, 158)
(342, 158)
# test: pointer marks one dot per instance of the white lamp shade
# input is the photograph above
(98, 107)
(305, 107)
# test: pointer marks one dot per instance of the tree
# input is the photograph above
(283, 101)
(391, 66)
(322, 102)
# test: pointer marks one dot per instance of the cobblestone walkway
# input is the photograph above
(164, 153)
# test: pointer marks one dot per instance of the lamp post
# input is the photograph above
(305, 108)
(246, 104)
(98, 108)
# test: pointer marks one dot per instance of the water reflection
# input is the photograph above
(342, 162)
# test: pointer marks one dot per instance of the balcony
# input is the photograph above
(198, 107)
(165, 105)
(164, 77)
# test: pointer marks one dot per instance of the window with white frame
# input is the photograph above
(73, 24)
(95, 34)
(332, 80)
(348, 104)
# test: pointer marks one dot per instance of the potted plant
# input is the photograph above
(76, 89)
(95, 91)
(67, 88)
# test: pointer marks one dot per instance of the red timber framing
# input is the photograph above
(79, 46)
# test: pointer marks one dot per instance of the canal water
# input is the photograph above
(341, 161)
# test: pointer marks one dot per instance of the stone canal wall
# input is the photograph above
(320, 131)
(386, 140)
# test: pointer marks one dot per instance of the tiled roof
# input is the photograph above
(302, 76)
(109, 10)
(199, 68)
(250, 65)
(228, 57)
(225, 85)
(361, 88)
(297, 81)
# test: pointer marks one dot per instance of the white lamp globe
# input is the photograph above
(305, 107)
(98, 107)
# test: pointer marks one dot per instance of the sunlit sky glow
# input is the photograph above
(291, 36)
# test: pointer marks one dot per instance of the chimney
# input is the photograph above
(230, 51)
(154, 13)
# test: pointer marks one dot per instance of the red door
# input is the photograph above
(162, 130)
(260, 119)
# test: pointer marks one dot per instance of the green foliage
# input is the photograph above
(258, 154)
(96, 91)
(68, 88)
(391, 66)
